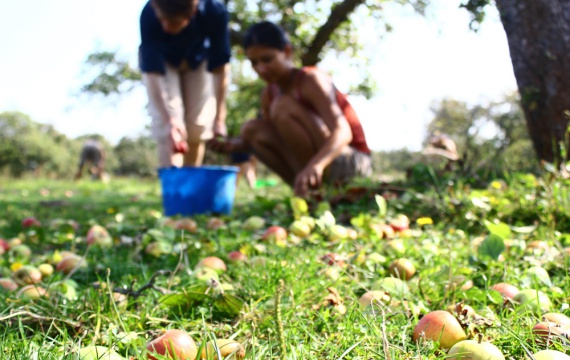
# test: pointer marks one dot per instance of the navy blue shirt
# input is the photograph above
(206, 37)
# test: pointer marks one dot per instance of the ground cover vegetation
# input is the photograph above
(371, 271)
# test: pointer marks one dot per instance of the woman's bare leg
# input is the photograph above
(302, 131)
(264, 141)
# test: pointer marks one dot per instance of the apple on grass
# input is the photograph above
(507, 290)
(8, 284)
(229, 349)
(32, 292)
(439, 326)
(300, 228)
(275, 234)
(212, 262)
(402, 268)
(550, 355)
(474, 350)
(174, 344)
(98, 235)
(98, 352)
(236, 256)
(30, 222)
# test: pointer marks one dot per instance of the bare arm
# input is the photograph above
(220, 91)
(319, 91)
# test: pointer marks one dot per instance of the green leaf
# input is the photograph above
(361, 221)
(382, 205)
(193, 295)
(501, 229)
(492, 247)
(523, 229)
(228, 304)
(480, 203)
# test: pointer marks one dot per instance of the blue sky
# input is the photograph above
(44, 46)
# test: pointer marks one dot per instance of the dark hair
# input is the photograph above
(266, 33)
(174, 8)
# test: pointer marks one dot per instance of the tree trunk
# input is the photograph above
(538, 32)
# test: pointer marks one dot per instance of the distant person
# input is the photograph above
(307, 133)
(93, 156)
(246, 163)
(184, 56)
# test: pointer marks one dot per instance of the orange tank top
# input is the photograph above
(358, 138)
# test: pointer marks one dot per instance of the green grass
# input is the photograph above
(303, 315)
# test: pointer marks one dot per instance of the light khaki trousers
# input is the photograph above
(189, 98)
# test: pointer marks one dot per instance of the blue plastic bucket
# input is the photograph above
(198, 190)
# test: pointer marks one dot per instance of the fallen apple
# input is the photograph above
(532, 300)
(474, 350)
(399, 223)
(333, 259)
(8, 284)
(236, 256)
(275, 234)
(337, 232)
(215, 223)
(158, 248)
(98, 353)
(71, 262)
(31, 222)
(395, 247)
(507, 290)
(98, 235)
(212, 262)
(402, 268)
(439, 326)
(300, 228)
(383, 231)
(5, 245)
(229, 349)
(253, 223)
(173, 344)
(547, 331)
(32, 292)
(556, 318)
(550, 355)
(186, 224)
(372, 297)
(20, 252)
(26, 275)
(46, 269)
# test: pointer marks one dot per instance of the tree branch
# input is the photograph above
(339, 14)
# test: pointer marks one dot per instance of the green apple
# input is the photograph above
(402, 268)
(474, 350)
(98, 353)
(254, 223)
(300, 228)
(532, 300)
(550, 355)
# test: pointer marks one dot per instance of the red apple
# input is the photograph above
(4, 244)
(237, 256)
(333, 259)
(400, 223)
(8, 284)
(275, 234)
(212, 262)
(215, 223)
(173, 344)
(507, 290)
(30, 222)
(547, 331)
(98, 235)
(439, 326)
(27, 274)
(186, 224)
(180, 147)
(70, 263)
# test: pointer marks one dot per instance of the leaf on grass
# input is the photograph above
(523, 229)
(333, 299)
(500, 229)
(190, 296)
(480, 203)
(382, 205)
(492, 247)
(228, 304)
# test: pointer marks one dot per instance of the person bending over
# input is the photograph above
(307, 132)
(184, 55)
(92, 155)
